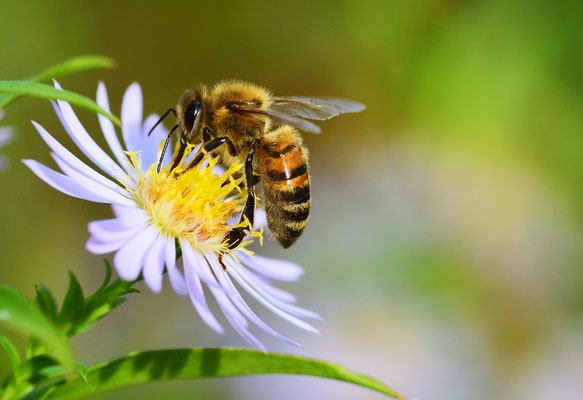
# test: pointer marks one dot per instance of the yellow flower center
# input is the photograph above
(191, 203)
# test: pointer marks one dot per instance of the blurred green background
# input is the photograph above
(444, 247)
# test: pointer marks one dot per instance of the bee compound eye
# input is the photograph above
(191, 113)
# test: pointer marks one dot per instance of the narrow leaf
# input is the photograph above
(105, 299)
(11, 351)
(81, 369)
(107, 276)
(20, 314)
(73, 305)
(166, 365)
(46, 301)
(48, 92)
(68, 67)
(40, 368)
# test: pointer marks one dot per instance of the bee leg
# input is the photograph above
(206, 134)
(256, 178)
(206, 137)
(236, 235)
(204, 149)
(171, 110)
(179, 155)
(165, 147)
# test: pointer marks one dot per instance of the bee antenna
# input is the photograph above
(162, 118)
(165, 148)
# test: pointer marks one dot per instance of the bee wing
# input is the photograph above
(277, 115)
(320, 108)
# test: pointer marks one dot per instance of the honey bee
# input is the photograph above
(239, 121)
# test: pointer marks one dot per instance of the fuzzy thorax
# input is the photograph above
(193, 204)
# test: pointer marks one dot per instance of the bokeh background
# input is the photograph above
(445, 243)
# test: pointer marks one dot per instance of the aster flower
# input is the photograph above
(5, 137)
(154, 212)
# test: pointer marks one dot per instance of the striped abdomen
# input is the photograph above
(283, 165)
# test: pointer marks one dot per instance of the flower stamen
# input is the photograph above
(191, 203)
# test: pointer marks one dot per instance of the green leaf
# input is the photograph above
(103, 301)
(48, 92)
(19, 313)
(73, 306)
(68, 67)
(11, 351)
(39, 369)
(165, 365)
(81, 369)
(45, 300)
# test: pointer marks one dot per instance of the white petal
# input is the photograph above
(63, 183)
(154, 266)
(232, 314)
(274, 291)
(251, 290)
(259, 286)
(236, 320)
(198, 263)
(195, 290)
(84, 141)
(91, 185)
(236, 298)
(73, 161)
(260, 219)
(107, 127)
(151, 144)
(130, 216)
(175, 276)
(131, 117)
(271, 268)
(95, 246)
(109, 230)
(129, 259)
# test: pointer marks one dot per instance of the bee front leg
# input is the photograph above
(236, 235)
(206, 134)
(178, 156)
(206, 137)
(204, 150)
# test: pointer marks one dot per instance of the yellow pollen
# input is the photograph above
(190, 203)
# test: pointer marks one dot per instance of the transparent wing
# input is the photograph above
(277, 115)
(320, 108)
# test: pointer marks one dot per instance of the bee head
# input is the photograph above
(190, 114)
